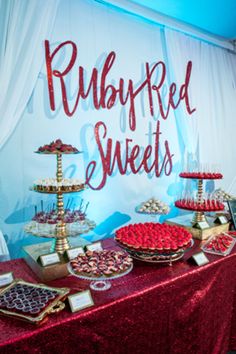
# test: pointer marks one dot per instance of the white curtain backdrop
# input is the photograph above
(24, 25)
(212, 90)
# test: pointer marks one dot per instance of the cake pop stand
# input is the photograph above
(200, 225)
(199, 214)
(99, 283)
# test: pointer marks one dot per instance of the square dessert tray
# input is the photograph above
(31, 302)
(221, 244)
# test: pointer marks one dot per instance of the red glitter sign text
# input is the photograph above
(105, 95)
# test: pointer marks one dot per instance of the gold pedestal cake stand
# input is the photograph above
(60, 235)
(199, 215)
(200, 225)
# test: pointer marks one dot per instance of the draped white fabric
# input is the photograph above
(213, 93)
(23, 25)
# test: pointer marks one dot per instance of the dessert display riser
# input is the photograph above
(50, 272)
(186, 221)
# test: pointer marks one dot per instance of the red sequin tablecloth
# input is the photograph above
(154, 309)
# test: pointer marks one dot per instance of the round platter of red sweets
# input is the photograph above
(57, 147)
(154, 242)
(201, 175)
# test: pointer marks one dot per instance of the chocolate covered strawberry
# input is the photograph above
(57, 147)
(101, 263)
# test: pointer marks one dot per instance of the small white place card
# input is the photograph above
(6, 279)
(49, 259)
(221, 220)
(73, 252)
(202, 225)
(96, 246)
(80, 301)
(200, 258)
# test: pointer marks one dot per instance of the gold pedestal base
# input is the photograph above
(198, 217)
(51, 272)
(61, 245)
(186, 222)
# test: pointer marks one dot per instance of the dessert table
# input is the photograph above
(154, 309)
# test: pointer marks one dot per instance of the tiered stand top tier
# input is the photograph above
(201, 175)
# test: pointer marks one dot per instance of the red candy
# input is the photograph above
(153, 236)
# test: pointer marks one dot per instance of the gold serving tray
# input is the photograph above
(58, 190)
(55, 306)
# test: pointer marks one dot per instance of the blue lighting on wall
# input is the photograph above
(213, 16)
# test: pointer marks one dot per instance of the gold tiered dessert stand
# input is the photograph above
(193, 224)
(199, 215)
(60, 235)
